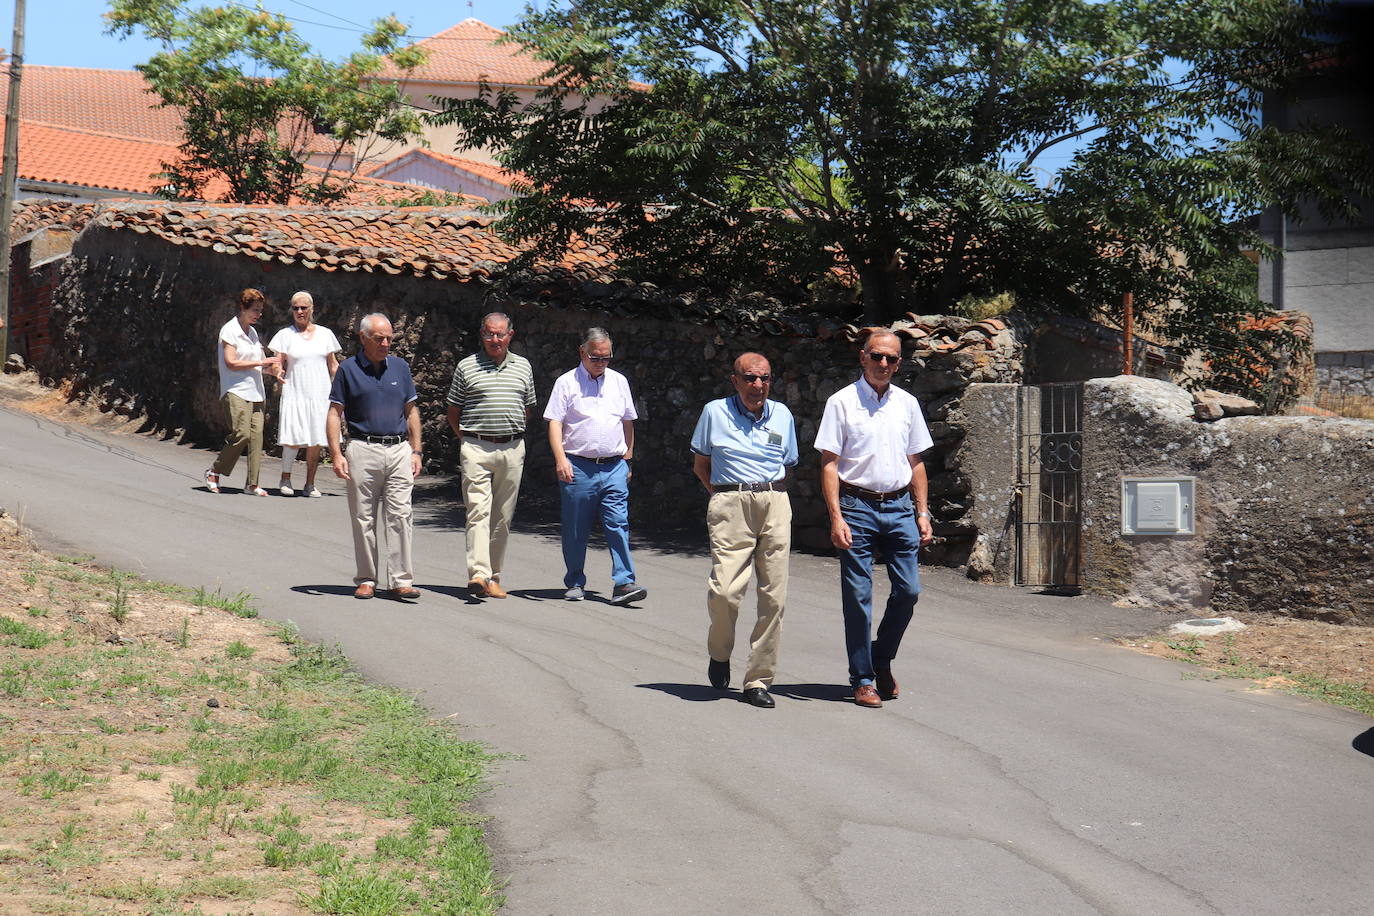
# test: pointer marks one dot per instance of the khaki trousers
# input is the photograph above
(748, 531)
(491, 482)
(245, 434)
(379, 498)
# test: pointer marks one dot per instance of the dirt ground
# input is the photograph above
(1284, 646)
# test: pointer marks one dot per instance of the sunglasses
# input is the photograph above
(751, 379)
(600, 359)
(885, 358)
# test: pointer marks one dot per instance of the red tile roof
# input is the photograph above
(437, 242)
(484, 170)
(115, 102)
(90, 159)
(468, 53)
(37, 213)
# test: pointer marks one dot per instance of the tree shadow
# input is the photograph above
(1364, 743)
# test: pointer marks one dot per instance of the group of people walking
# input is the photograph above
(744, 448)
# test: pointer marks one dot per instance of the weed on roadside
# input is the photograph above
(298, 786)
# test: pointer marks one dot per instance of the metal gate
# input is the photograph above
(1049, 485)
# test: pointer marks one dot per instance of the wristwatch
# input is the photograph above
(923, 514)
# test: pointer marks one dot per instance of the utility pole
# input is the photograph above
(11, 171)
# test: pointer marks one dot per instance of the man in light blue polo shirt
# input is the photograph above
(743, 447)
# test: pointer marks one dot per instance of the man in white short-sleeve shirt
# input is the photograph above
(871, 438)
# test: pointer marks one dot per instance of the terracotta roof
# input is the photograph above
(468, 53)
(107, 101)
(437, 242)
(91, 159)
(37, 213)
(484, 170)
(117, 102)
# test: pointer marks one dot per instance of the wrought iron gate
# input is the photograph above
(1049, 485)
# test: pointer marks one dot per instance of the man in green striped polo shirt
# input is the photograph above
(490, 402)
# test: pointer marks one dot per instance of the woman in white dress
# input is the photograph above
(309, 360)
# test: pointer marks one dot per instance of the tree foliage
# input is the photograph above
(1065, 151)
(256, 99)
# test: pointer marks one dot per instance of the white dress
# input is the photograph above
(305, 391)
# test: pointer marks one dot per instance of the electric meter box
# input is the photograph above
(1157, 505)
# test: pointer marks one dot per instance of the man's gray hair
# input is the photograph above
(595, 335)
(367, 321)
(499, 316)
(310, 300)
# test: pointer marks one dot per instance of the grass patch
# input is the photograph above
(299, 780)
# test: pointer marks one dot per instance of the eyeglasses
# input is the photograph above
(300, 308)
(893, 358)
(751, 379)
(494, 335)
(600, 359)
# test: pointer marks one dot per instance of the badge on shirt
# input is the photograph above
(774, 439)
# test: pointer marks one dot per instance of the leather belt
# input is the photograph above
(382, 440)
(497, 439)
(873, 495)
(779, 486)
(606, 460)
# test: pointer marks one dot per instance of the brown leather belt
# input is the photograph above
(849, 489)
(496, 439)
(779, 486)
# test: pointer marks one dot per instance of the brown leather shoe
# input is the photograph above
(478, 587)
(867, 696)
(406, 594)
(887, 686)
(364, 590)
(494, 589)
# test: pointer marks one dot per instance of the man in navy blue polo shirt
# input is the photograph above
(374, 397)
(743, 447)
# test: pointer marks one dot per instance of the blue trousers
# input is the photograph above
(596, 489)
(887, 527)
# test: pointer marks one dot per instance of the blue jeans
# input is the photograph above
(888, 527)
(596, 489)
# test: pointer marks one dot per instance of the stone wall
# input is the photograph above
(1284, 506)
(137, 319)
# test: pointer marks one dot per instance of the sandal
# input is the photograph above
(255, 490)
(211, 480)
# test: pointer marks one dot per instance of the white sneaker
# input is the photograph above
(309, 490)
(254, 491)
(285, 489)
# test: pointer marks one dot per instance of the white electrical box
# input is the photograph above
(1157, 505)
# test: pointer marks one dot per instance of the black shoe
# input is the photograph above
(758, 696)
(719, 673)
(624, 594)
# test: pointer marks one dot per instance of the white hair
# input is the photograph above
(309, 299)
(365, 325)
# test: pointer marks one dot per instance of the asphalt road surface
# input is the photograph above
(1030, 765)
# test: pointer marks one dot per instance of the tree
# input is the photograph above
(255, 98)
(912, 144)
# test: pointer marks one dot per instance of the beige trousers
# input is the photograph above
(245, 434)
(748, 531)
(491, 482)
(379, 498)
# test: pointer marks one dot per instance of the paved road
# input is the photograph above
(1029, 766)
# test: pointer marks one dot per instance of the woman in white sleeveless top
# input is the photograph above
(309, 360)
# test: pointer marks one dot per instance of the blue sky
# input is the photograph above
(70, 32)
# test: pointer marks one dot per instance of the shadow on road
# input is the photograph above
(1364, 743)
(832, 693)
(337, 591)
(693, 693)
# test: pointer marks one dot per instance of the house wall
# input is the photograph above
(1284, 509)
(432, 174)
(138, 318)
